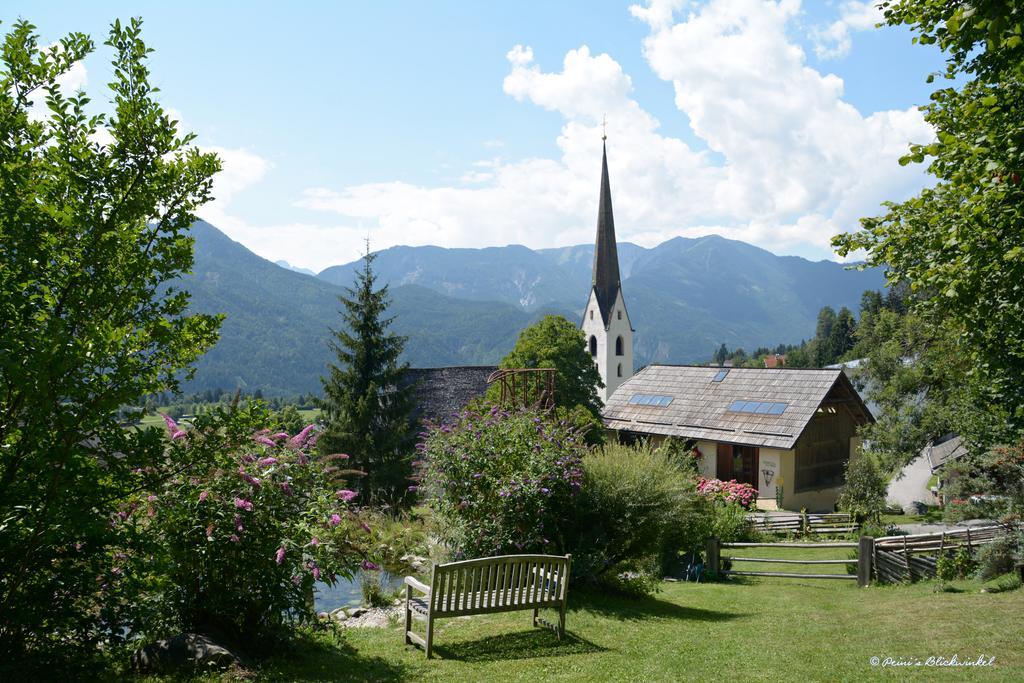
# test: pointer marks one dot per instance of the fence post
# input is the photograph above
(713, 556)
(865, 551)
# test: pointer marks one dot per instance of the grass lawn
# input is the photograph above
(743, 629)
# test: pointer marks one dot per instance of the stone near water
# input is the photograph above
(185, 651)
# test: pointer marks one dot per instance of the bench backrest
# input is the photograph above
(499, 584)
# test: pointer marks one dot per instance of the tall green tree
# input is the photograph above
(366, 403)
(92, 230)
(959, 244)
(555, 342)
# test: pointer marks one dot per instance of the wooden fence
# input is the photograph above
(908, 558)
(803, 523)
(863, 560)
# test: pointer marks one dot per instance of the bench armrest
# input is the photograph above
(418, 585)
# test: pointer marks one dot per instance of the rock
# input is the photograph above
(398, 602)
(323, 616)
(185, 651)
(357, 612)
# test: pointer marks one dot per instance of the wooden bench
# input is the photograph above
(505, 583)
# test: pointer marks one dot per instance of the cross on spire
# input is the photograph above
(604, 127)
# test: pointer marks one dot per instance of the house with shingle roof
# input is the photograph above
(787, 432)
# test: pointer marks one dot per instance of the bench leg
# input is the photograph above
(535, 612)
(430, 636)
(408, 614)
(561, 622)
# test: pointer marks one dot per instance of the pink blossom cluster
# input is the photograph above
(730, 491)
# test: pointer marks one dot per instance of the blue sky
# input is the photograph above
(478, 124)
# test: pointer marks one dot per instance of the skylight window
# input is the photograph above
(758, 407)
(722, 374)
(652, 400)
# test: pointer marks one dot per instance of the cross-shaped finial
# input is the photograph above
(604, 127)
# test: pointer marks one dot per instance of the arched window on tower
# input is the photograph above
(618, 345)
(620, 369)
(593, 345)
(591, 314)
(619, 314)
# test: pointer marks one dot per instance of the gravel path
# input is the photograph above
(911, 484)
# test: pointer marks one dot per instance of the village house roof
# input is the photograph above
(441, 393)
(762, 407)
(943, 451)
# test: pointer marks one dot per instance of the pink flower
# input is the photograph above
(265, 441)
(296, 579)
(280, 555)
(179, 434)
(286, 488)
(279, 436)
(369, 566)
(267, 461)
(315, 570)
(335, 520)
(346, 495)
(233, 538)
(243, 504)
(366, 527)
(172, 426)
(315, 542)
(203, 496)
(299, 440)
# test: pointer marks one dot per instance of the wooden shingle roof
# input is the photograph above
(700, 407)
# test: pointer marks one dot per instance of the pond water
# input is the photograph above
(349, 593)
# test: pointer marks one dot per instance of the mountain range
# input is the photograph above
(685, 297)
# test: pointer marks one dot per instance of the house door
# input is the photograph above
(737, 462)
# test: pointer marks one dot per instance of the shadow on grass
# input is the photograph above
(317, 659)
(522, 645)
(627, 608)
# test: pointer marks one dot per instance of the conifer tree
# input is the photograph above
(366, 405)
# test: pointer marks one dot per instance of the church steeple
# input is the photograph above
(606, 325)
(605, 277)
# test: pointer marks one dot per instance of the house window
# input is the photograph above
(619, 314)
(620, 369)
(593, 345)
(618, 345)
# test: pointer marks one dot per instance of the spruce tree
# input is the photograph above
(366, 404)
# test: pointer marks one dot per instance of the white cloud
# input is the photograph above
(835, 40)
(794, 163)
(790, 163)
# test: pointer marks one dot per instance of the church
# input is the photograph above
(789, 433)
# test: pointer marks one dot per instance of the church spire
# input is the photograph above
(605, 278)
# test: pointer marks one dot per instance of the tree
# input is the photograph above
(366, 403)
(721, 355)
(554, 342)
(92, 233)
(959, 244)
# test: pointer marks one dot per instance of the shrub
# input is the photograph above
(687, 456)
(863, 494)
(242, 533)
(637, 510)
(730, 491)
(502, 482)
(955, 565)
(375, 593)
(998, 557)
(729, 523)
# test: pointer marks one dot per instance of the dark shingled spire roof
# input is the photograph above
(606, 257)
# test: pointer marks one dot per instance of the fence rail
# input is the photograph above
(803, 523)
(863, 560)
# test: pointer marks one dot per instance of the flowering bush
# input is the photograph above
(730, 491)
(241, 534)
(501, 482)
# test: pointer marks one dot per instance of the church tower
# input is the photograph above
(606, 323)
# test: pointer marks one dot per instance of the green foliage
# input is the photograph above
(679, 451)
(366, 411)
(997, 473)
(396, 537)
(958, 244)
(238, 539)
(955, 565)
(288, 420)
(998, 557)
(554, 342)
(636, 511)
(502, 482)
(863, 494)
(90, 235)
(375, 593)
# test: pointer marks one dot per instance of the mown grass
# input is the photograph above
(742, 629)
